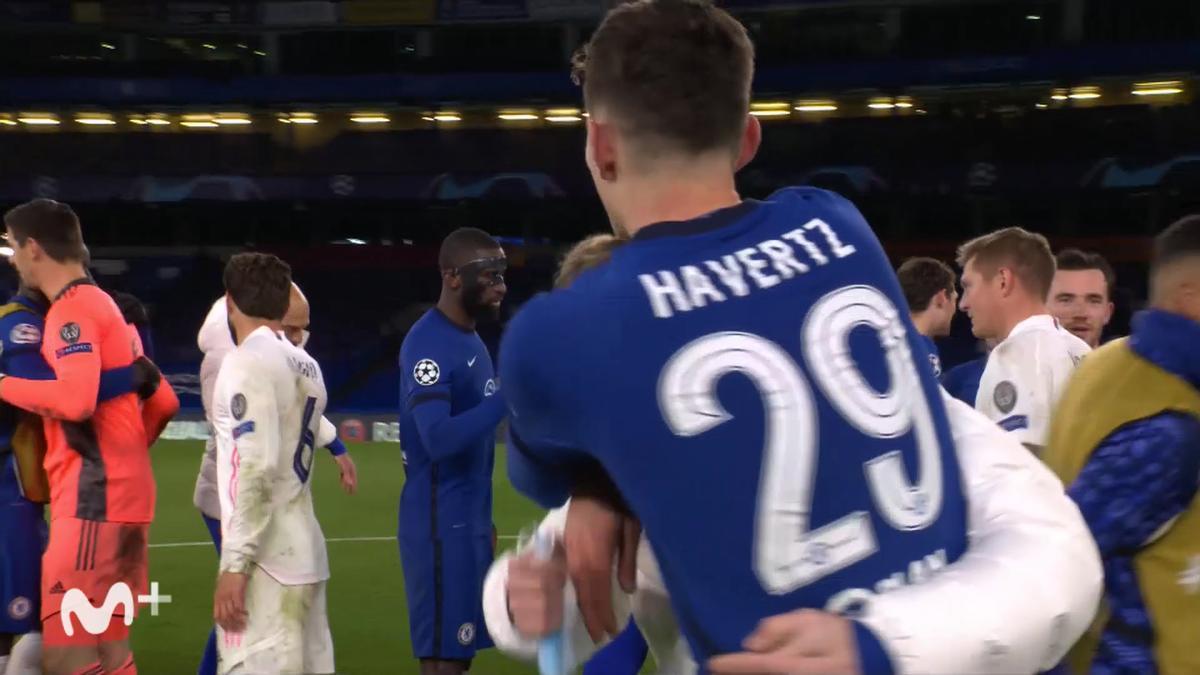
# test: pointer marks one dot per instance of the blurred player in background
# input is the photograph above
(450, 405)
(1081, 295)
(962, 381)
(216, 341)
(708, 364)
(1006, 278)
(1126, 441)
(932, 297)
(268, 402)
(98, 462)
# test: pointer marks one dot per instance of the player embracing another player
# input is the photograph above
(97, 461)
(746, 376)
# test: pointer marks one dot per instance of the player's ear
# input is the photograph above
(751, 140)
(601, 149)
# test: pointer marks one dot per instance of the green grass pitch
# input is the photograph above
(366, 591)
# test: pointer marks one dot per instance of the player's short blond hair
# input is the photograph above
(587, 254)
(1026, 253)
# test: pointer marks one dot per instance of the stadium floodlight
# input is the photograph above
(904, 102)
(881, 104)
(815, 106)
(1168, 88)
(300, 118)
(232, 118)
(38, 119)
(447, 117)
(107, 45)
(1033, 17)
(564, 115)
(1084, 93)
(773, 109)
(158, 120)
(517, 116)
(1058, 95)
(208, 45)
(7, 120)
(1040, 106)
(370, 118)
(95, 119)
(198, 121)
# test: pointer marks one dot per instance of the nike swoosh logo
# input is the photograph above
(471, 363)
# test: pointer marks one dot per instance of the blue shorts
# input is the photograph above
(23, 534)
(443, 579)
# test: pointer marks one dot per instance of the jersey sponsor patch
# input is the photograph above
(26, 334)
(237, 406)
(78, 348)
(69, 333)
(427, 372)
(466, 634)
(1005, 396)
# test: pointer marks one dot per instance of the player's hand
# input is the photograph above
(146, 377)
(229, 603)
(349, 473)
(798, 643)
(594, 535)
(535, 592)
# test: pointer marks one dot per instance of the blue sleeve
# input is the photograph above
(337, 448)
(872, 659)
(445, 435)
(27, 364)
(1139, 478)
(116, 382)
(544, 446)
(147, 340)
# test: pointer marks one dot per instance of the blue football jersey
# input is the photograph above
(21, 322)
(447, 490)
(752, 383)
(932, 354)
(962, 381)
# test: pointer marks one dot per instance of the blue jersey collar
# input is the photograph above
(1168, 341)
(705, 223)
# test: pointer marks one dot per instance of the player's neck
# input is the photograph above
(452, 309)
(243, 326)
(675, 196)
(923, 323)
(1022, 312)
(55, 278)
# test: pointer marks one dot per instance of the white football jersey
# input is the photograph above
(266, 409)
(215, 342)
(1025, 376)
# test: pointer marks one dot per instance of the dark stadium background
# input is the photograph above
(349, 137)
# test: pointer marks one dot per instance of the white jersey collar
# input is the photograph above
(1034, 323)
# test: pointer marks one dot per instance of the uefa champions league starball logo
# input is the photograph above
(426, 372)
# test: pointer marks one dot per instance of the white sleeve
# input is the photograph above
(577, 643)
(1015, 391)
(326, 433)
(1026, 588)
(255, 456)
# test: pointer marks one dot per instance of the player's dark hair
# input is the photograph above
(1026, 253)
(1074, 260)
(673, 73)
(923, 278)
(53, 225)
(1180, 240)
(260, 284)
(462, 245)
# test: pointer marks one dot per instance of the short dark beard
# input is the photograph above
(475, 307)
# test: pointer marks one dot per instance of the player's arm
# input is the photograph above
(1027, 586)
(525, 599)
(544, 460)
(158, 410)
(255, 455)
(1139, 480)
(327, 438)
(72, 336)
(443, 434)
(1029, 383)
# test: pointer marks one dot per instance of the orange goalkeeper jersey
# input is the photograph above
(97, 455)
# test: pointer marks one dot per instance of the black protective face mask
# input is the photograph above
(478, 276)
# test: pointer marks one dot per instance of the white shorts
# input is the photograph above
(287, 631)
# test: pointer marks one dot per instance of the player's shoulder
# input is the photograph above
(20, 326)
(261, 352)
(434, 336)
